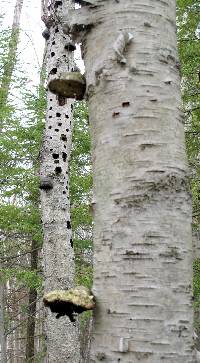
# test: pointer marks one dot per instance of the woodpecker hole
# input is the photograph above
(53, 71)
(63, 137)
(64, 156)
(58, 170)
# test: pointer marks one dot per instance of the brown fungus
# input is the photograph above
(69, 302)
(69, 85)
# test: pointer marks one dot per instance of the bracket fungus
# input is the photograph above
(69, 85)
(69, 302)
(46, 183)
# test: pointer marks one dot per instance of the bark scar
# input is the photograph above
(119, 46)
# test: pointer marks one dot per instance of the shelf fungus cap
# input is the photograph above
(69, 85)
(69, 302)
(46, 183)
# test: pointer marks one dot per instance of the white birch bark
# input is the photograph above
(10, 60)
(8, 68)
(142, 207)
(62, 336)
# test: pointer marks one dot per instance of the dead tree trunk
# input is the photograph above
(62, 336)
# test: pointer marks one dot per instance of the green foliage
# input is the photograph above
(189, 52)
(80, 196)
(30, 279)
(196, 282)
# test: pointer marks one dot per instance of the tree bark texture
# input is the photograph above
(62, 336)
(142, 206)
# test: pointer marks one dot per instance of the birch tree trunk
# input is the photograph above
(12, 55)
(142, 207)
(62, 336)
(6, 79)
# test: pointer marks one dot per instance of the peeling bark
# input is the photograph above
(142, 209)
(62, 337)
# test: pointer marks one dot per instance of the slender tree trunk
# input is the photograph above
(62, 336)
(12, 55)
(32, 305)
(2, 325)
(4, 89)
(142, 208)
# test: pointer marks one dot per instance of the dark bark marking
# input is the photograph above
(67, 130)
(59, 123)
(57, 130)
(46, 34)
(55, 156)
(56, 161)
(148, 25)
(57, 4)
(115, 114)
(52, 54)
(64, 156)
(61, 100)
(58, 170)
(53, 71)
(63, 137)
(125, 104)
(50, 116)
(71, 242)
(67, 116)
(68, 225)
(50, 127)
(58, 114)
